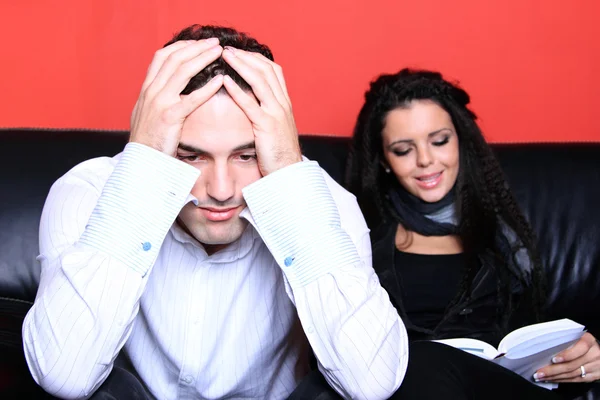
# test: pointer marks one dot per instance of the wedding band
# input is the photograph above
(582, 371)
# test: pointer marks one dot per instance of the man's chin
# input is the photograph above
(214, 233)
(220, 238)
(212, 244)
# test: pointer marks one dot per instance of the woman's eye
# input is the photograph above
(401, 153)
(442, 142)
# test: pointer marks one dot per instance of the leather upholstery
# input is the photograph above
(557, 185)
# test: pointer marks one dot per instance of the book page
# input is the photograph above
(473, 346)
(535, 332)
(542, 343)
(547, 385)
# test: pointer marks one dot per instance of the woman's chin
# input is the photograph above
(431, 196)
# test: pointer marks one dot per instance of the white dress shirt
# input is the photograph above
(118, 272)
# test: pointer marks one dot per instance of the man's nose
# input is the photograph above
(220, 184)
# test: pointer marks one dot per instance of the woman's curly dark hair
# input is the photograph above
(227, 37)
(483, 197)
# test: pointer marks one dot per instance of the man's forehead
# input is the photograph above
(219, 105)
(217, 125)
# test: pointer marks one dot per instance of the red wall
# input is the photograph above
(528, 64)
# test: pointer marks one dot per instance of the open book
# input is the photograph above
(527, 349)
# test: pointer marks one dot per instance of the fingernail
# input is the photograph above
(231, 49)
(212, 41)
(538, 375)
(557, 360)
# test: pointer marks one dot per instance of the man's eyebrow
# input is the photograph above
(246, 146)
(197, 150)
(191, 149)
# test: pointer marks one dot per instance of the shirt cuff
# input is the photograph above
(139, 203)
(297, 218)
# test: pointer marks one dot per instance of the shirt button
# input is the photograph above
(288, 261)
(310, 329)
(188, 379)
(146, 246)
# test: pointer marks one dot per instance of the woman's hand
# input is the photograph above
(579, 363)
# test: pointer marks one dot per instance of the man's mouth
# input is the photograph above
(218, 214)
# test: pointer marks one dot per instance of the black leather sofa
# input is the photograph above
(557, 185)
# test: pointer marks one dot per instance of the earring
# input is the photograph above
(387, 170)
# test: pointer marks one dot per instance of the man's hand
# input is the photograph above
(160, 110)
(567, 364)
(275, 134)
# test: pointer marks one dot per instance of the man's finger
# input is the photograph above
(278, 72)
(189, 103)
(244, 100)
(178, 57)
(268, 70)
(159, 58)
(254, 77)
(186, 71)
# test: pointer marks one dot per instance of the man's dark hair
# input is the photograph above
(227, 37)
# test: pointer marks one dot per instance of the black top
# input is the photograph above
(480, 314)
(429, 282)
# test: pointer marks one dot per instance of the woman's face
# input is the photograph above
(420, 146)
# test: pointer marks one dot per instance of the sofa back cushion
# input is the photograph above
(557, 186)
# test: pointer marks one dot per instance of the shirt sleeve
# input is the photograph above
(100, 233)
(323, 248)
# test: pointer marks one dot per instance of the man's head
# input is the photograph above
(218, 139)
(228, 37)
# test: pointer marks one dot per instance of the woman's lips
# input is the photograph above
(429, 181)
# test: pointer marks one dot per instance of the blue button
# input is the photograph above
(288, 261)
(146, 246)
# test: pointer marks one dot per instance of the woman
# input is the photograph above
(450, 244)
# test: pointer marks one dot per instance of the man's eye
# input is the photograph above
(247, 157)
(190, 158)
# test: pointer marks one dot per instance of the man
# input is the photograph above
(208, 249)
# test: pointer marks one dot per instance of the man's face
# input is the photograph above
(218, 139)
